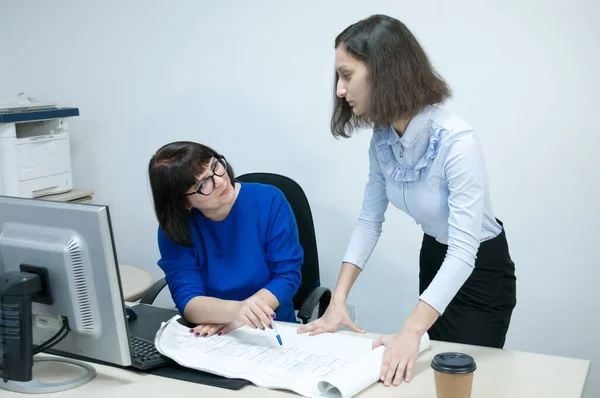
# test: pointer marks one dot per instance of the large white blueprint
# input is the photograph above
(326, 365)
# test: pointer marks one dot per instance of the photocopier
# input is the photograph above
(35, 150)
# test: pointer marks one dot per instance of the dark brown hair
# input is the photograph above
(173, 170)
(402, 79)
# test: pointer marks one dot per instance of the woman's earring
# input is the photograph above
(189, 208)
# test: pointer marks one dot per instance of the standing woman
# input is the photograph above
(428, 163)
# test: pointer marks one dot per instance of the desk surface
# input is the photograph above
(500, 373)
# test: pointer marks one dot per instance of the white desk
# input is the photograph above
(500, 373)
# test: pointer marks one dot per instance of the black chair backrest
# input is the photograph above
(306, 228)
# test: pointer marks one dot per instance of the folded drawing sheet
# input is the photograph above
(326, 365)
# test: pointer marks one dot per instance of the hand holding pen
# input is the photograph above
(274, 327)
(254, 312)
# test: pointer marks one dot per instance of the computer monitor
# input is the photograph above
(70, 246)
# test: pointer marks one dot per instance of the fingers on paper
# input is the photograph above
(377, 343)
(205, 330)
(394, 369)
(213, 330)
(388, 368)
(227, 328)
(355, 327)
(309, 327)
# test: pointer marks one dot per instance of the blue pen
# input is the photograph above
(274, 327)
(276, 333)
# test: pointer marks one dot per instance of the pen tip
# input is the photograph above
(279, 339)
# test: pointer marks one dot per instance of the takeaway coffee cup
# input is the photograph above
(453, 374)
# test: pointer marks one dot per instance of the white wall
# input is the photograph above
(255, 83)
(3, 69)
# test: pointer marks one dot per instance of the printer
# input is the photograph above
(35, 151)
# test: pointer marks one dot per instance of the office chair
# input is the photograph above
(310, 293)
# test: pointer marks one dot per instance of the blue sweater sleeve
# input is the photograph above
(179, 263)
(283, 252)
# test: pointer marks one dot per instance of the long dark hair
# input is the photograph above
(173, 170)
(402, 79)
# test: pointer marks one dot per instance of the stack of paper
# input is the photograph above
(325, 365)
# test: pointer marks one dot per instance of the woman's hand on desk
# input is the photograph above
(335, 317)
(211, 329)
(400, 355)
(206, 330)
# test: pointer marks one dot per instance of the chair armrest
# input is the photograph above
(319, 295)
(154, 290)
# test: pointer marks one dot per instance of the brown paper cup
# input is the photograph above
(453, 373)
(453, 386)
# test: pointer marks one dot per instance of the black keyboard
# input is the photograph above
(144, 354)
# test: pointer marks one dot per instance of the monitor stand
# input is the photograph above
(40, 387)
(17, 290)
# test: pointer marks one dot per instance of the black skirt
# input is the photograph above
(480, 312)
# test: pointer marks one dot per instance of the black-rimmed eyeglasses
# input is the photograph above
(207, 186)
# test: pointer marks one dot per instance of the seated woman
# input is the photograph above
(230, 251)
